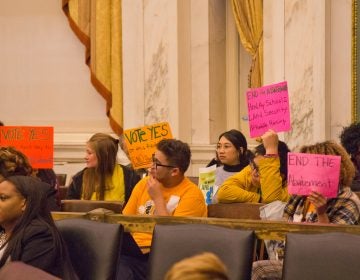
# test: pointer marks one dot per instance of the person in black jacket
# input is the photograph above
(103, 178)
(27, 230)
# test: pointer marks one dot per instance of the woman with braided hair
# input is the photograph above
(27, 230)
(14, 162)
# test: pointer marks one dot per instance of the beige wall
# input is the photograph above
(183, 60)
(43, 77)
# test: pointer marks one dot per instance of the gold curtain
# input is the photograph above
(248, 15)
(97, 23)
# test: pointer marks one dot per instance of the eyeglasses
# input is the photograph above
(156, 163)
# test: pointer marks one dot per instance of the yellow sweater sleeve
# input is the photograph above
(271, 182)
(238, 188)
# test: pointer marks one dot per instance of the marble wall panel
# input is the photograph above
(304, 54)
(160, 63)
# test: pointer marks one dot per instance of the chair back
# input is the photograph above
(20, 271)
(172, 243)
(76, 205)
(331, 256)
(61, 178)
(93, 247)
(63, 190)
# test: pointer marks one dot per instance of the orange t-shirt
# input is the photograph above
(185, 199)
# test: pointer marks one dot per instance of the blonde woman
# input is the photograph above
(205, 266)
(103, 178)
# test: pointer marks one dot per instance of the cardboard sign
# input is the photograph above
(313, 172)
(268, 108)
(36, 142)
(141, 142)
(207, 177)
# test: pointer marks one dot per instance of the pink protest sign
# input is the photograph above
(268, 108)
(313, 172)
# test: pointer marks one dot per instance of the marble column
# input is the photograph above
(300, 37)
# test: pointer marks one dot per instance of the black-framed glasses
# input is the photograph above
(156, 163)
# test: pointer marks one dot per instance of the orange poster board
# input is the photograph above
(141, 142)
(36, 142)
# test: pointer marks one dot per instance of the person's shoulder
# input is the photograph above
(141, 185)
(127, 169)
(37, 228)
(189, 186)
(79, 174)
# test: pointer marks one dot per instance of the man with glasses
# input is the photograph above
(165, 192)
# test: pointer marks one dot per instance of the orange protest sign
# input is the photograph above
(141, 142)
(37, 143)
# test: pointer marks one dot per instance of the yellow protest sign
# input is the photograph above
(141, 142)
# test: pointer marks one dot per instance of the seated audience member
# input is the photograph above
(231, 153)
(14, 162)
(103, 178)
(205, 266)
(315, 208)
(264, 179)
(165, 192)
(28, 233)
(350, 140)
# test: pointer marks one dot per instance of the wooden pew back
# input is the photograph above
(235, 210)
(275, 230)
(75, 205)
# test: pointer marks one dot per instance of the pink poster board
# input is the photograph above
(313, 172)
(268, 108)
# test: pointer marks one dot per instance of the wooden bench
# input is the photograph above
(63, 192)
(74, 205)
(235, 210)
(275, 230)
(61, 178)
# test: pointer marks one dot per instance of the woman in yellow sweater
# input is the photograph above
(263, 180)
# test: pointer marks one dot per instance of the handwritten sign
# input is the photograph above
(36, 142)
(268, 108)
(141, 142)
(207, 177)
(313, 172)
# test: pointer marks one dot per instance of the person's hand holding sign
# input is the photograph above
(319, 201)
(270, 140)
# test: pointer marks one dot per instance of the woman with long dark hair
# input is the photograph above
(27, 230)
(264, 179)
(231, 155)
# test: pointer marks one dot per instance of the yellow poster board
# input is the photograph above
(141, 142)
(36, 142)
